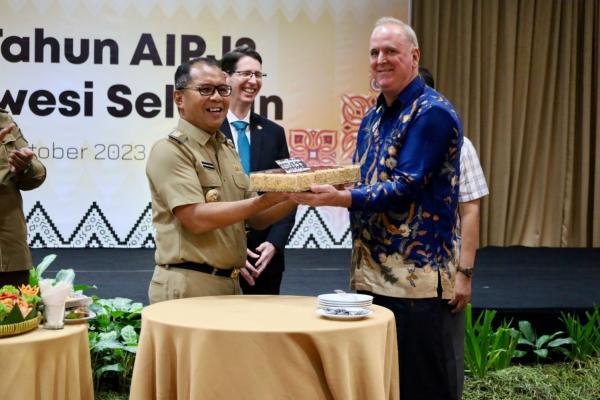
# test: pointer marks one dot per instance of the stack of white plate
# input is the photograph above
(344, 305)
(344, 300)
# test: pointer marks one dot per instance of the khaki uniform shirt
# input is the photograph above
(193, 166)
(14, 252)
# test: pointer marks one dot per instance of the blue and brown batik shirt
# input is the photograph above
(404, 210)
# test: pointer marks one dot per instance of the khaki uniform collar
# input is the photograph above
(197, 134)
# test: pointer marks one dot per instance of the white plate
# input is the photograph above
(324, 313)
(340, 304)
(337, 305)
(91, 315)
(345, 298)
(77, 300)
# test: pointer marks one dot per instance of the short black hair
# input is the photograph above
(230, 59)
(427, 77)
(182, 74)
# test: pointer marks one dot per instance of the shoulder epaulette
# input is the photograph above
(178, 137)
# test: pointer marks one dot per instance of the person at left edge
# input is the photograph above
(19, 170)
(200, 198)
(267, 144)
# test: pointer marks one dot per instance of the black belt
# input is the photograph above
(208, 269)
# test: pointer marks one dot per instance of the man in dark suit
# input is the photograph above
(259, 142)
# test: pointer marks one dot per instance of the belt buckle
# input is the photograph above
(234, 273)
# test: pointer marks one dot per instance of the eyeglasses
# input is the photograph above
(209, 90)
(249, 74)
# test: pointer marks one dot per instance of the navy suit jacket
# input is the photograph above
(267, 144)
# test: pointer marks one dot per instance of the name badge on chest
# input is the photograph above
(208, 165)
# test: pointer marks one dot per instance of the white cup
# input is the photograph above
(54, 315)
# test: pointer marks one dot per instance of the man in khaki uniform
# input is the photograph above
(19, 170)
(200, 198)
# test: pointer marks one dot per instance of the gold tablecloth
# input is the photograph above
(263, 347)
(47, 365)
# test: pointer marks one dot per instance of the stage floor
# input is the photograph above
(519, 282)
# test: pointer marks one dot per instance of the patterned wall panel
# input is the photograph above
(326, 227)
(320, 228)
(315, 147)
(353, 110)
(93, 230)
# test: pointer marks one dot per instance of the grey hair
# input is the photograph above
(409, 33)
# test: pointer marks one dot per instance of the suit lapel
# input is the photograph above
(226, 130)
(256, 136)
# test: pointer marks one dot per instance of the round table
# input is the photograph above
(263, 347)
(47, 365)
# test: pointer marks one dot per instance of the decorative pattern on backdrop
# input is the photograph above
(315, 147)
(93, 230)
(353, 110)
(327, 227)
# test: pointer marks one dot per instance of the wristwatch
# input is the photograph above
(26, 170)
(466, 271)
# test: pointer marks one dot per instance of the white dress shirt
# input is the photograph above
(231, 118)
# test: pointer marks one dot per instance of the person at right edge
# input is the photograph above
(472, 188)
(404, 211)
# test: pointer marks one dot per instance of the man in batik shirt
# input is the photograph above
(403, 212)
